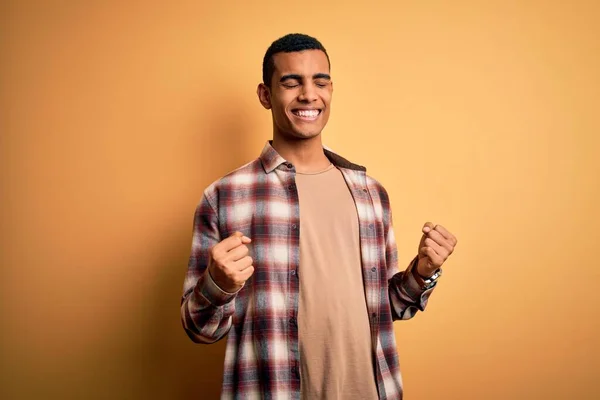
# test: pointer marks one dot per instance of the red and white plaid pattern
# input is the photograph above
(260, 200)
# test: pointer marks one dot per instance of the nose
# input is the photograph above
(308, 93)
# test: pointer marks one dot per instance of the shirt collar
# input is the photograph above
(270, 159)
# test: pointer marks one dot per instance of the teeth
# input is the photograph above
(307, 113)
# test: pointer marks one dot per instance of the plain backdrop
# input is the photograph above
(481, 116)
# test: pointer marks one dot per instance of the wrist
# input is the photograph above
(208, 289)
(425, 277)
(423, 270)
(224, 288)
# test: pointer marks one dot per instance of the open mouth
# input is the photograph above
(307, 115)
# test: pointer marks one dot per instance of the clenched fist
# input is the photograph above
(436, 246)
(229, 264)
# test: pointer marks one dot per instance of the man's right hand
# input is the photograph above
(229, 264)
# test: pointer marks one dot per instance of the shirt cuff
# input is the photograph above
(208, 289)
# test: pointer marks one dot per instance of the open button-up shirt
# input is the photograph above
(260, 200)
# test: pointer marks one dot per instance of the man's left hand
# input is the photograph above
(436, 246)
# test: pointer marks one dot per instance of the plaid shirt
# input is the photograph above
(260, 200)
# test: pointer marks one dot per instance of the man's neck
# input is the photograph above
(306, 154)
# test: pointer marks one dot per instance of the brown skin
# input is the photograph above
(301, 82)
(434, 249)
(229, 264)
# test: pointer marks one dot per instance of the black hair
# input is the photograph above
(287, 44)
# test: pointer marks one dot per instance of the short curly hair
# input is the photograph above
(287, 44)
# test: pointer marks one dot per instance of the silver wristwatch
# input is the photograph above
(432, 280)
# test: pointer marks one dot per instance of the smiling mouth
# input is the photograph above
(307, 115)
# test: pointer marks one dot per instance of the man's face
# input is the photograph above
(300, 94)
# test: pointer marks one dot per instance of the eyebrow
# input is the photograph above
(299, 77)
(322, 76)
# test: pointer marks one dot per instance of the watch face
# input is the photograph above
(432, 280)
(430, 285)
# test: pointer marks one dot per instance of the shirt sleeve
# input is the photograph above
(206, 310)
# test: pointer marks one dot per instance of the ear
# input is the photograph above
(264, 95)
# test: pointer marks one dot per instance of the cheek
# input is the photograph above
(279, 114)
(281, 104)
(327, 110)
(326, 97)
(278, 108)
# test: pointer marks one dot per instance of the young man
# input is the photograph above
(294, 256)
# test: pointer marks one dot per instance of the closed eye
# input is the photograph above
(290, 81)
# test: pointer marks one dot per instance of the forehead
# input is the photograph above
(306, 62)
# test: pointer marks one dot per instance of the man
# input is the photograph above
(294, 255)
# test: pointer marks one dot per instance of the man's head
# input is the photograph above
(290, 43)
(296, 86)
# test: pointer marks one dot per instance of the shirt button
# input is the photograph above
(293, 321)
(292, 187)
(294, 226)
(365, 190)
(373, 269)
(289, 165)
(293, 272)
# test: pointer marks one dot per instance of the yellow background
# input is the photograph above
(481, 116)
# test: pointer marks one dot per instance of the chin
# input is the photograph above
(306, 132)
(306, 135)
(295, 132)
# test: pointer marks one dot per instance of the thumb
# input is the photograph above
(245, 239)
(427, 227)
